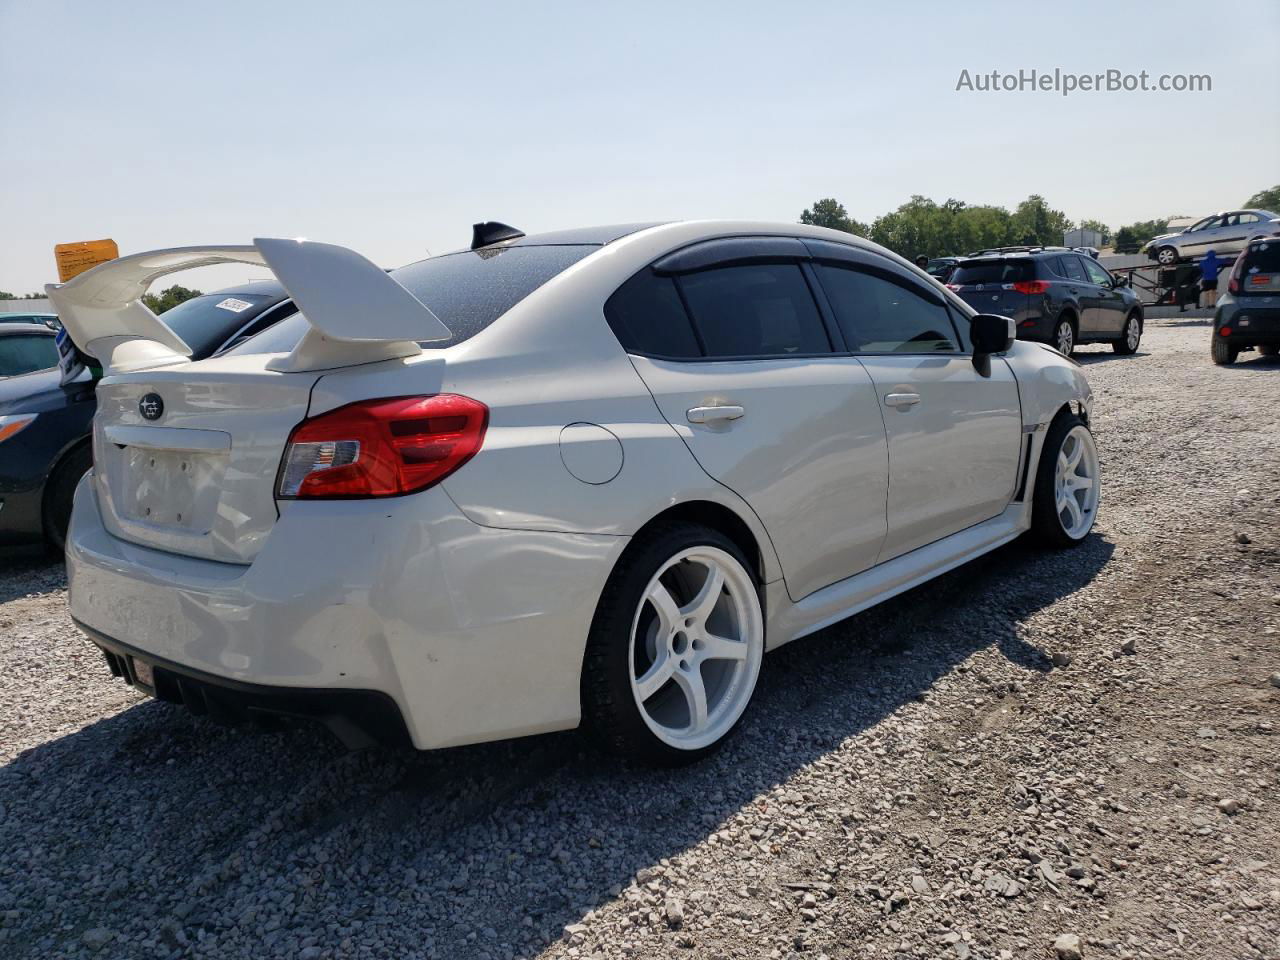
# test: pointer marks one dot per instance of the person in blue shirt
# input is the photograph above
(1209, 278)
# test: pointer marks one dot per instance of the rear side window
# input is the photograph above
(880, 314)
(647, 317)
(21, 354)
(1072, 269)
(993, 271)
(757, 310)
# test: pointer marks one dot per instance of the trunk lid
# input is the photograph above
(186, 457)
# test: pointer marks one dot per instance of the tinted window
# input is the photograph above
(205, 322)
(993, 271)
(21, 354)
(647, 317)
(761, 310)
(1096, 273)
(1072, 270)
(467, 290)
(880, 314)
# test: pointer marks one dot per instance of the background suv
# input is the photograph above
(1248, 314)
(1223, 233)
(1054, 295)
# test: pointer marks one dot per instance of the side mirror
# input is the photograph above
(1119, 281)
(989, 333)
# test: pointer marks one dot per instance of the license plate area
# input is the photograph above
(172, 489)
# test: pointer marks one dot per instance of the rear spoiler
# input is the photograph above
(358, 313)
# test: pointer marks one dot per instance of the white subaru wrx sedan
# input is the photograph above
(583, 477)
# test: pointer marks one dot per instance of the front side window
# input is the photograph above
(756, 310)
(1096, 273)
(878, 313)
(21, 354)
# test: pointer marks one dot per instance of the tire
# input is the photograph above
(1222, 352)
(58, 494)
(650, 647)
(1166, 256)
(1064, 336)
(1268, 349)
(1130, 337)
(1067, 434)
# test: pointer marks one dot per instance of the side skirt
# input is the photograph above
(855, 594)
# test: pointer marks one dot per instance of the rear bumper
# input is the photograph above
(1250, 325)
(473, 633)
(357, 717)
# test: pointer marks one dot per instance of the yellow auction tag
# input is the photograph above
(74, 258)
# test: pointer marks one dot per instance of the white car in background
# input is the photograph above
(588, 476)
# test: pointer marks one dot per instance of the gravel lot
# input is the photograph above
(1080, 749)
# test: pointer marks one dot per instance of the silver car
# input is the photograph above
(1227, 232)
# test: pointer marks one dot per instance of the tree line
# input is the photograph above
(923, 226)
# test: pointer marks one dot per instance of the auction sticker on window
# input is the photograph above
(234, 305)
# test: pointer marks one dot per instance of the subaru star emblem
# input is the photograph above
(151, 407)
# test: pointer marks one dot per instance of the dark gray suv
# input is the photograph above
(1248, 314)
(1054, 295)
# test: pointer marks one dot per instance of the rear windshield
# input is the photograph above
(205, 322)
(467, 290)
(993, 271)
(1262, 258)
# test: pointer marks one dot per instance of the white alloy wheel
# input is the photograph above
(1132, 333)
(1075, 483)
(697, 639)
(1167, 256)
(1065, 338)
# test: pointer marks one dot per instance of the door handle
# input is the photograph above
(902, 399)
(714, 414)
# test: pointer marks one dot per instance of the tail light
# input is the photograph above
(954, 286)
(381, 448)
(1233, 282)
(1032, 286)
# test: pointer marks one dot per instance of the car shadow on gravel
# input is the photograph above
(1099, 356)
(151, 823)
(29, 571)
(1253, 361)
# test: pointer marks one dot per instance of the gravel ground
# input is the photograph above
(1039, 755)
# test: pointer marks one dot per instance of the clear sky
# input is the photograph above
(392, 127)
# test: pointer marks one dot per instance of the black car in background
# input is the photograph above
(941, 267)
(45, 426)
(1248, 313)
(1054, 295)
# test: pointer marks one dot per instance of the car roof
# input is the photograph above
(597, 236)
(13, 329)
(269, 288)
